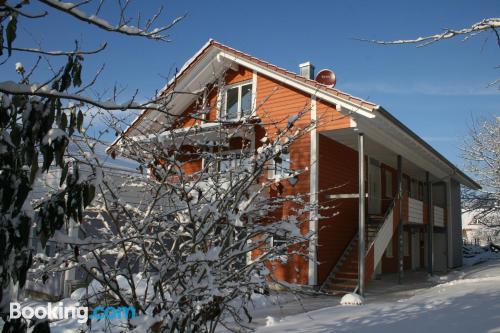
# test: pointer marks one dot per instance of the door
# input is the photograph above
(415, 249)
(439, 245)
(374, 187)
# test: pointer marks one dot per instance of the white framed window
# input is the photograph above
(388, 184)
(233, 161)
(281, 167)
(237, 101)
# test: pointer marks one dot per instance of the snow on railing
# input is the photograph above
(438, 216)
(415, 211)
(377, 247)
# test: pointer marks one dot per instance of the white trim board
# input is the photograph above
(313, 198)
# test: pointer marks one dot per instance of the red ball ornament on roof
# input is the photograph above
(326, 77)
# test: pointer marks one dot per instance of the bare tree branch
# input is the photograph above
(484, 25)
(59, 53)
(22, 13)
(156, 33)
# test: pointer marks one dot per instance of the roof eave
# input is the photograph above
(464, 179)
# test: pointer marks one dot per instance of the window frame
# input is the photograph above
(277, 241)
(388, 184)
(233, 156)
(282, 175)
(239, 112)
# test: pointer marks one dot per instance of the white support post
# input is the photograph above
(254, 93)
(401, 244)
(430, 226)
(361, 215)
(69, 276)
(313, 198)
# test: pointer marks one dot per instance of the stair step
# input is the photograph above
(339, 292)
(346, 275)
(344, 282)
(345, 287)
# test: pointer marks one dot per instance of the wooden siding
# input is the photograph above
(240, 75)
(328, 118)
(337, 175)
(277, 103)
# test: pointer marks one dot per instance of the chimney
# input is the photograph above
(307, 70)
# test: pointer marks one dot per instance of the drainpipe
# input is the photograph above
(400, 226)
(430, 226)
(361, 215)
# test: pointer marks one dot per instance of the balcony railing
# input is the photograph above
(415, 212)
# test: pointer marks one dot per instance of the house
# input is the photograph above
(409, 211)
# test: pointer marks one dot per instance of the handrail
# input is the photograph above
(384, 235)
(387, 212)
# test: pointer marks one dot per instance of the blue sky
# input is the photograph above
(434, 90)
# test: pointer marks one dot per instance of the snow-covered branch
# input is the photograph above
(191, 242)
(487, 24)
(148, 32)
(481, 153)
(13, 88)
(59, 53)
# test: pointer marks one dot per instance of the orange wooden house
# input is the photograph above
(409, 215)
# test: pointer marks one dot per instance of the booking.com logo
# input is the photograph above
(59, 311)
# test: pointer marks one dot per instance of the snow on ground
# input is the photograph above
(466, 300)
(470, 303)
(474, 254)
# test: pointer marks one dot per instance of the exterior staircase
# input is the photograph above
(343, 278)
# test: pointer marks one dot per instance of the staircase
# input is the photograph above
(343, 278)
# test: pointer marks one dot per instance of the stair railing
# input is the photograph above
(340, 261)
(384, 235)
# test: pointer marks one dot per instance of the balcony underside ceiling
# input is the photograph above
(386, 150)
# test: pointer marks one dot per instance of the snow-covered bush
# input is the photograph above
(37, 123)
(197, 243)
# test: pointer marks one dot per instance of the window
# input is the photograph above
(279, 242)
(281, 166)
(414, 189)
(238, 101)
(388, 183)
(231, 162)
(406, 185)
